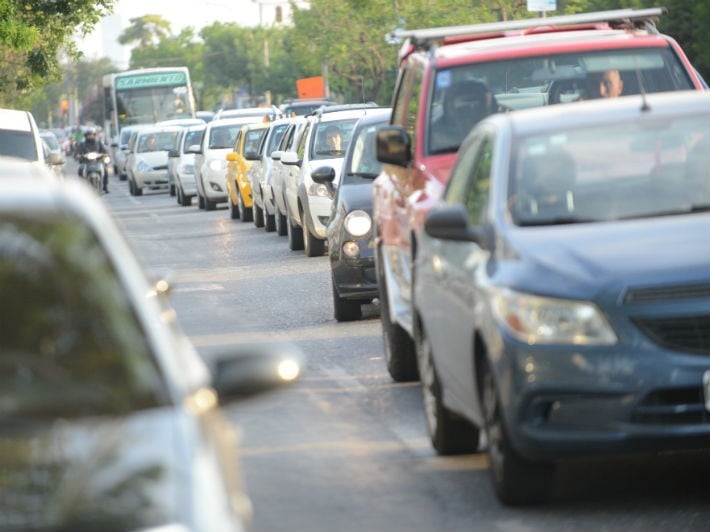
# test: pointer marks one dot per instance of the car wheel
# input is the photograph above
(137, 191)
(400, 355)
(269, 222)
(345, 309)
(185, 201)
(258, 215)
(448, 432)
(233, 210)
(280, 223)
(313, 246)
(172, 190)
(200, 201)
(516, 480)
(210, 205)
(294, 234)
(178, 196)
(131, 190)
(244, 213)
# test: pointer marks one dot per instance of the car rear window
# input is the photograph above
(18, 144)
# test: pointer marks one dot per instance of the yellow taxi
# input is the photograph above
(240, 162)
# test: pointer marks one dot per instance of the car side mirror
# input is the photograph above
(55, 159)
(173, 154)
(324, 175)
(252, 369)
(394, 146)
(276, 155)
(232, 156)
(450, 222)
(290, 158)
(195, 148)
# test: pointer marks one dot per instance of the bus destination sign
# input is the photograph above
(142, 81)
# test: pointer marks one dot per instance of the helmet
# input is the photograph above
(90, 131)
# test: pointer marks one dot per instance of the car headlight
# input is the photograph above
(143, 167)
(358, 223)
(319, 190)
(543, 320)
(217, 164)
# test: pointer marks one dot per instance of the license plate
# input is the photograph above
(706, 389)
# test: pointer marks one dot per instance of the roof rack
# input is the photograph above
(428, 36)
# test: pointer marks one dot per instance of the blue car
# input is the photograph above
(562, 288)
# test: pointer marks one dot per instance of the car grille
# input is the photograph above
(647, 295)
(685, 333)
(165, 167)
(672, 406)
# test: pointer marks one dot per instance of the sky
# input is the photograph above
(180, 14)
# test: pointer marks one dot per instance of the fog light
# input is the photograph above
(215, 187)
(351, 249)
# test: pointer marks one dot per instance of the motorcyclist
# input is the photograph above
(89, 144)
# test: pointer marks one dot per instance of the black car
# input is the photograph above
(350, 236)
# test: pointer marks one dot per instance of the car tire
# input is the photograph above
(233, 210)
(131, 190)
(269, 222)
(280, 223)
(400, 354)
(312, 245)
(178, 196)
(295, 235)
(185, 201)
(344, 309)
(258, 215)
(244, 213)
(172, 190)
(137, 191)
(210, 205)
(449, 433)
(516, 480)
(200, 201)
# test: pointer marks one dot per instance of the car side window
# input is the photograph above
(470, 179)
(301, 148)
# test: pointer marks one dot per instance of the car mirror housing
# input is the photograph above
(252, 369)
(232, 156)
(173, 154)
(195, 148)
(323, 175)
(290, 157)
(251, 155)
(54, 159)
(450, 222)
(394, 146)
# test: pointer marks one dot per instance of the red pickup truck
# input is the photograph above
(450, 78)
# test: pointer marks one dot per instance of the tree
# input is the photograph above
(146, 31)
(33, 33)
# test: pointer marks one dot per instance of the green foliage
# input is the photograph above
(146, 31)
(33, 33)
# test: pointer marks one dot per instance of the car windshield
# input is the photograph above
(223, 137)
(192, 138)
(330, 139)
(363, 163)
(650, 168)
(162, 141)
(465, 94)
(51, 141)
(71, 345)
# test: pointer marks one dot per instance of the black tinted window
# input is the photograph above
(19, 144)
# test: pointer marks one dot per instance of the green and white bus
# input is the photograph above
(146, 96)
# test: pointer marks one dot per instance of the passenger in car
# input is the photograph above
(465, 104)
(607, 84)
(544, 187)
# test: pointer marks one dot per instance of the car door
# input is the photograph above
(293, 176)
(457, 264)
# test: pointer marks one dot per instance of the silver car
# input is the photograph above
(110, 419)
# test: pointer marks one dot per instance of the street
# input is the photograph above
(346, 448)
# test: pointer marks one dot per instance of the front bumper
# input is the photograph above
(565, 401)
(319, 209)
(152, 179)
(188, 184)
(354, 278)
(214, 186)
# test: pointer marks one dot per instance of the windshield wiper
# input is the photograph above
(561, 220)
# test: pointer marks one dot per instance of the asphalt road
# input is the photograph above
(345, 449)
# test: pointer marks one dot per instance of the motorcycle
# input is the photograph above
(94, 167)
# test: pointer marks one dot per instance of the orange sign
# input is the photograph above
(311, 87)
